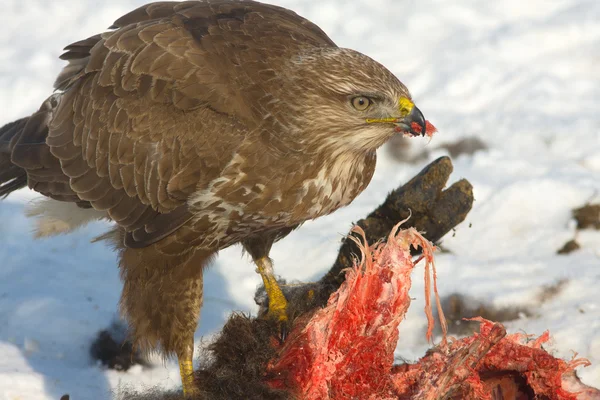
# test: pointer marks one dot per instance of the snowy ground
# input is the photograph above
(524, 76)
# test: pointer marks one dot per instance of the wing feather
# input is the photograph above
(152, 111)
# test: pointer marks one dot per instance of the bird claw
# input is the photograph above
(277, 313)
(301, 297)
(284, 330)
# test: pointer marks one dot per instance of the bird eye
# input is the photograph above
(361, 103)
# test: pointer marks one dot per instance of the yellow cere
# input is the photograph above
(405, 106)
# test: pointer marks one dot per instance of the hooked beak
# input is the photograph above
(413, 123)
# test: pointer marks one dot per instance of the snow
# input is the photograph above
(522, 76)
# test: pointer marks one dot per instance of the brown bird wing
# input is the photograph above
(154, 111)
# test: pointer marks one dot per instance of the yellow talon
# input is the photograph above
(186, 370)
(277, 302)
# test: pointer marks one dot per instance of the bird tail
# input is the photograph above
(12, 177)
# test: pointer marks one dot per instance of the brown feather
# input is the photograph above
(197, 125)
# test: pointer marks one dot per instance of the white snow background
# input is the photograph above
(524, 76)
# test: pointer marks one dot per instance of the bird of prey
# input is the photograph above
(194, 126)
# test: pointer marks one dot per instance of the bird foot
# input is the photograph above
(300, 297)
(186, 370)
(279, 316)
(277, 310)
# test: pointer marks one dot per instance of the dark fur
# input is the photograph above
(112, 349)
(233, 366)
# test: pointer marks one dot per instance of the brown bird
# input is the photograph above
(194, 126)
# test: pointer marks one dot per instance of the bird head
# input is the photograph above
(351, 102)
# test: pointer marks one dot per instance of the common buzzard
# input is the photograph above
(194, 126)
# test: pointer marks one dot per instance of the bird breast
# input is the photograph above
(337, 184)
(238, 204)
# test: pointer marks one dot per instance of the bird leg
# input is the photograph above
(259, 246)
(186, 369)
(161, 300)
(277, 302)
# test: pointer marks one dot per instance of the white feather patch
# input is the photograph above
(55, 217)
